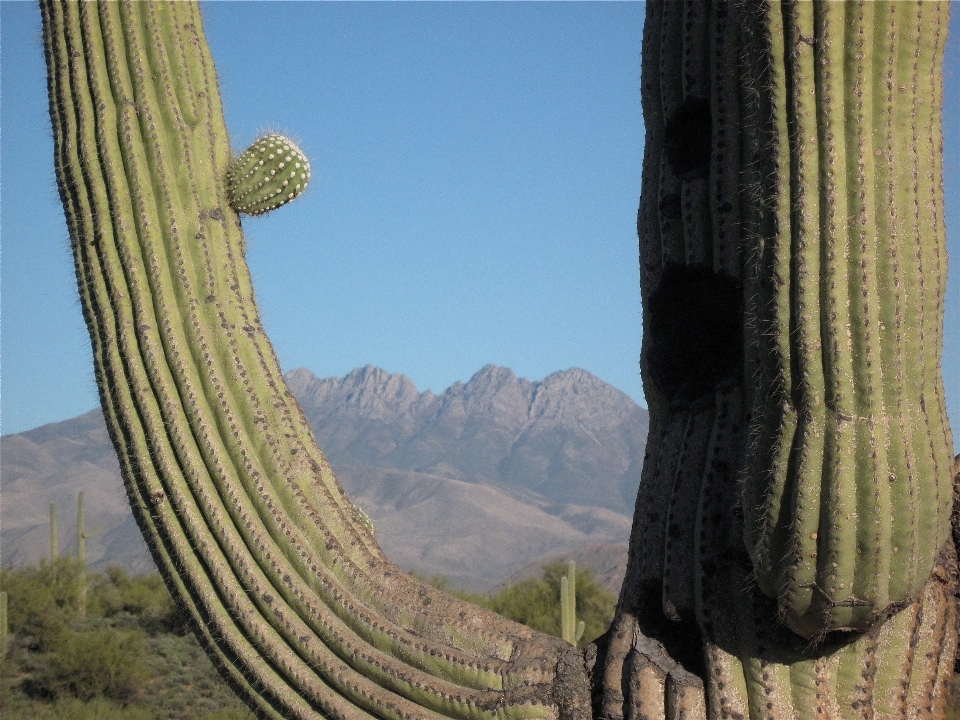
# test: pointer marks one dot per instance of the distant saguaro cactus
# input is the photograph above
(81, 558)
(570, 629)
(790, 555)
(54, 535)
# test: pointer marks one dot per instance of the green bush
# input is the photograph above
(43, 601)
(94, 663)
(142, 596)
(73, 709)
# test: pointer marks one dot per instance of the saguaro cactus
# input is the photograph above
(570, 629)
(792, 544)
(791, 554)
(54, 535)
(82, 536)
(289, 592)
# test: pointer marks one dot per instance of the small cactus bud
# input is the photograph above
(268, 174)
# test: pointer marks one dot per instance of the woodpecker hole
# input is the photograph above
(687, 138)
(696, 333)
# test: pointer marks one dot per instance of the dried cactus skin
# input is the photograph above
(288, 590)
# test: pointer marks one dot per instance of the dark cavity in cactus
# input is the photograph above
(696, 333)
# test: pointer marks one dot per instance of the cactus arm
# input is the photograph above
(289, 592)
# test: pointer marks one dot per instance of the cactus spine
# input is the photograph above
(289, 591)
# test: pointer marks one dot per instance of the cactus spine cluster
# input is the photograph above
(270, 173)
(790, 555)
(288, 589)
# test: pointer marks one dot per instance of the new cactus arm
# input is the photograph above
(289, 591)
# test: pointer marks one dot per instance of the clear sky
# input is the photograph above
(476, 171)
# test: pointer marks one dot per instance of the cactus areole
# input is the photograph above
(791, 554)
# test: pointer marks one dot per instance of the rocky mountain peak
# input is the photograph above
(530, 468)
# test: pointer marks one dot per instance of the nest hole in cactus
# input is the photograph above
(696, 332)
(687, 138)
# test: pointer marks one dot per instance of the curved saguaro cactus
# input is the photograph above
(791, 553)
(287, 587)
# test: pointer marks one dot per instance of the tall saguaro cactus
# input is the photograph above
(792, 539)
(791, 554)
(287, 587)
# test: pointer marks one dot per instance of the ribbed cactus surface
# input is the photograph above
(287, 588)
(270, 173)
(790, 553)
(848, 478)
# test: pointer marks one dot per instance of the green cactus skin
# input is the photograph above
(570, 630)
(270, 173)
(848, 486)
(288, 590)
(790, 555)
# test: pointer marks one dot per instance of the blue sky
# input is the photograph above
(476, 170)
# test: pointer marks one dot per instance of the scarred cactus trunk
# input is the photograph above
(792, 543)
(791, 553)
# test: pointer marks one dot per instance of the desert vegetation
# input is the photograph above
(116, 647)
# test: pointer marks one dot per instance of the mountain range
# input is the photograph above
(479, 483)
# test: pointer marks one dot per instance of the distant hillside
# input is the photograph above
(475, 483)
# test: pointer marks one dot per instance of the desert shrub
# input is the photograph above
(42, 600)
(145, 597)
(74, 709)
(94, 663)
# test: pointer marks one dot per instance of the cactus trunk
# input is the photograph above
(287, 587)
(791, 553)
(793, 522)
